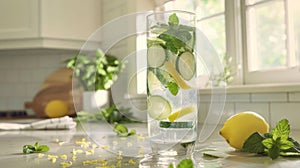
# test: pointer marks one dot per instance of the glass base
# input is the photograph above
(160, 161)
(163, 158)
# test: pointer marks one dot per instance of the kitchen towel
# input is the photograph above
(53, 123)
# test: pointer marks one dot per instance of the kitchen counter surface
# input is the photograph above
(90, 144)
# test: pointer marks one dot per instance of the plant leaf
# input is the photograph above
(282, 130)
(274, 152)
(285, 144)
(120, 129)
(28, 149)
(43, 148)
(173, 88)
(254, 143)
(170, 165)
(268, 143)
(186, 163)
(173, 19)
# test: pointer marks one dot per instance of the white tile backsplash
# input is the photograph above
(26, 75)
(228, 111)
(270, 97)
(272, 106)
(3, 103)
(294, 97)
(203, 110)
(5, 90)
(23, 73)
(205, 98)
(237, 98)
(260, 108)
(289, 111)
(6, 62)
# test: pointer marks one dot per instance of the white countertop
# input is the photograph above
(132, 148)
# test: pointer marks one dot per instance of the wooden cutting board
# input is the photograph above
(58, 86)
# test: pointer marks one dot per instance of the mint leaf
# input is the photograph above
(173, 88)
(285, 144)
(122, 130)
(35, 148)
(273, 152)
(268, 143)
(173, 19)
(295, 148)
(279, 141)
(132, 132)
(275, 144)
(172, 43)
(170, 165)
(186, 163)
(28, 149)
(43, 148)
(282, 130)
(254, 143)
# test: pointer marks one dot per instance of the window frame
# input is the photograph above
(286, 75)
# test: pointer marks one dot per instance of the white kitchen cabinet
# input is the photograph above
(58, 24)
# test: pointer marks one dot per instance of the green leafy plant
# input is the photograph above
(274, 144)
(36, 148)
(110, 114)
(185, 163)
(97, 73)
(122, 130)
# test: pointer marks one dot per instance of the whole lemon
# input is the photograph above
(56, 108)
(240, 126)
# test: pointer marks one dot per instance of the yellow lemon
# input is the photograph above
(56, 108)
(240, 126)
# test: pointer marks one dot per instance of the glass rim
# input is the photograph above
(170, 11)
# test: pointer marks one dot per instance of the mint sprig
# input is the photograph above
(279, 141)
(122, 130)
(274, 144)
(36, 148)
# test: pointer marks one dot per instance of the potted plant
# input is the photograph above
(95, 74)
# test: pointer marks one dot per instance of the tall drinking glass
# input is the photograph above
(171, 97)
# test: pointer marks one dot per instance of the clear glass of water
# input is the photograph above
(171, 98)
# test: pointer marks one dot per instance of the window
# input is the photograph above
(262, 36)
(272, 41)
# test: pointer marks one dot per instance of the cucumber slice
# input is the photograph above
(156, 56)
(158, 107)
(182, 124)
(186, 65)
(153, 83)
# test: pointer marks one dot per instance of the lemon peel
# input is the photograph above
(182, 112)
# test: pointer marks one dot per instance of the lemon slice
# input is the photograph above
(176, 76)
(182, 112)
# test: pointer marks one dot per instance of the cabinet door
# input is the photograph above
(70, 19)
(19, 19)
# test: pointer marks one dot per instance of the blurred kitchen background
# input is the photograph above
(257, 39)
